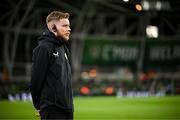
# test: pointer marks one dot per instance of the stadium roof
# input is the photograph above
(115, 17)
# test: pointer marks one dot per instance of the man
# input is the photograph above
(51, 72)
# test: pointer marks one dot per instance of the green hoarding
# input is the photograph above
(110, 52)
(162, 52)
(104, 51)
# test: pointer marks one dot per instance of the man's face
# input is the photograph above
(63, 29)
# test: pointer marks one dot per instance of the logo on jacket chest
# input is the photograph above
(66, 56)
(56, 54)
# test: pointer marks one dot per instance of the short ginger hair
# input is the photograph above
(56, 15)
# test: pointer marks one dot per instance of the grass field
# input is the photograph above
(105, 108)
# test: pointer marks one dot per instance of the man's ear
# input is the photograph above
(54, 29)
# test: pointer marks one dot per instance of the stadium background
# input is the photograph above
(119, 47)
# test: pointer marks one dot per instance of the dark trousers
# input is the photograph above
(53, 112)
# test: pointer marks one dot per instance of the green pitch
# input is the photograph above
(105, 108)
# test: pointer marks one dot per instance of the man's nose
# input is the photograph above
(69, 29)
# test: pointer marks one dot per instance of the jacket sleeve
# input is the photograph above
(39, 68)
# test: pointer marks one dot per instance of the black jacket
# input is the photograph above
(51, 74)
